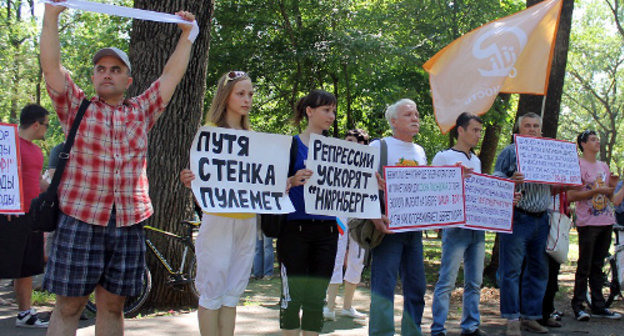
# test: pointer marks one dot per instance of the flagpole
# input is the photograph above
(543, 106)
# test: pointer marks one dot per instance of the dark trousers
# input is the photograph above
(307, 251)
(619, 218)
(594, 243)
(552, 287)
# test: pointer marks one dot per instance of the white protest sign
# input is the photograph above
(11, 195)
(343, 182)
(419, 198)
(547, 161)
(240, 171)
(489, 203)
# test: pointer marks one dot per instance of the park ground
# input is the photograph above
(259, 311)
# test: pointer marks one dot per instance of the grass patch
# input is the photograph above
(43, 298)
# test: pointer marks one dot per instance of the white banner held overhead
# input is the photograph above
(133, 13)
(240, 171)
(343, 181)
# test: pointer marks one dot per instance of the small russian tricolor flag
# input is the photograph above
(342, 227)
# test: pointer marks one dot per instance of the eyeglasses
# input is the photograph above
(232, 75)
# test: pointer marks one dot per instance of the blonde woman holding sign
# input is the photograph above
(226, 241)
(307, 244)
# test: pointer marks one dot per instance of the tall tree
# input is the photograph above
(552, 103)
(595, 76)
(150, 46)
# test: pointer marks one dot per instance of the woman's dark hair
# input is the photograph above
(583, 137)
(360, 135)
(313, 99)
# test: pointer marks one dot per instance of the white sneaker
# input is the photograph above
(30, 320)
(351, 312)
(329, 315)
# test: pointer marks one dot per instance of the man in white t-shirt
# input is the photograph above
(398, 253)
(459, 243)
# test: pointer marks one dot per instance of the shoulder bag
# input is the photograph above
(363, 231)
(558, 242)
(44, 210)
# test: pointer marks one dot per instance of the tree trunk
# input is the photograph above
(532, 103)
(489, 272)
(151, 45)
(488, 147)
(492, 134)
(335, 81)
(350, 122)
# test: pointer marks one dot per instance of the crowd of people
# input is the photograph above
(98, 246)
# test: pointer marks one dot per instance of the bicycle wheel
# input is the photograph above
(610, 282)
(133, 304)
(192, 272)
(614, 284)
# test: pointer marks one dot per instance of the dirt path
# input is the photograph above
(258, 313)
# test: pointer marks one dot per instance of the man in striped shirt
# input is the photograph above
(526, 243)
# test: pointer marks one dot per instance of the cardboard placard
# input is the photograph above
(240, 171)
(343, 181)
(489, 203)
(11, 193)
(547, 161)
(420, 198)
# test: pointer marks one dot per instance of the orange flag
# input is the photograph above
(511, 55)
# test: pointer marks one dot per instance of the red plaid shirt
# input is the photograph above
(107, 165)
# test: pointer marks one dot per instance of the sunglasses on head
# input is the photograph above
(583, 137)
(232, 75)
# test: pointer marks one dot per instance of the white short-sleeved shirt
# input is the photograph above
(451, 156)
(402, 153)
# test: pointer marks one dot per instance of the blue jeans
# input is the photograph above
(398, 254)
(263, 260)
(458, 244)
(528, 240)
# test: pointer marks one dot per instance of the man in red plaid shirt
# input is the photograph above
(99, 243)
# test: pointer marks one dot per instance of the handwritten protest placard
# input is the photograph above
(344, 182)
(489, 203)
(547, 161)
(240, 171)
(11, 196)
(419, 198)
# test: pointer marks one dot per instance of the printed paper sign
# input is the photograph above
(419, 198)
(11, 196)
(344, 182)
(240, 171)
(547, 161)
(489, 203)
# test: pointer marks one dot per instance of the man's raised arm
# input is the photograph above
(178, 61)
(51, 48)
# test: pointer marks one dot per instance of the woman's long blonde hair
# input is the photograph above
(218, 107)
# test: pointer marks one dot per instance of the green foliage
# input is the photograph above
(592, 98)
(369, 53)
(43, 298)
(21, 81)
